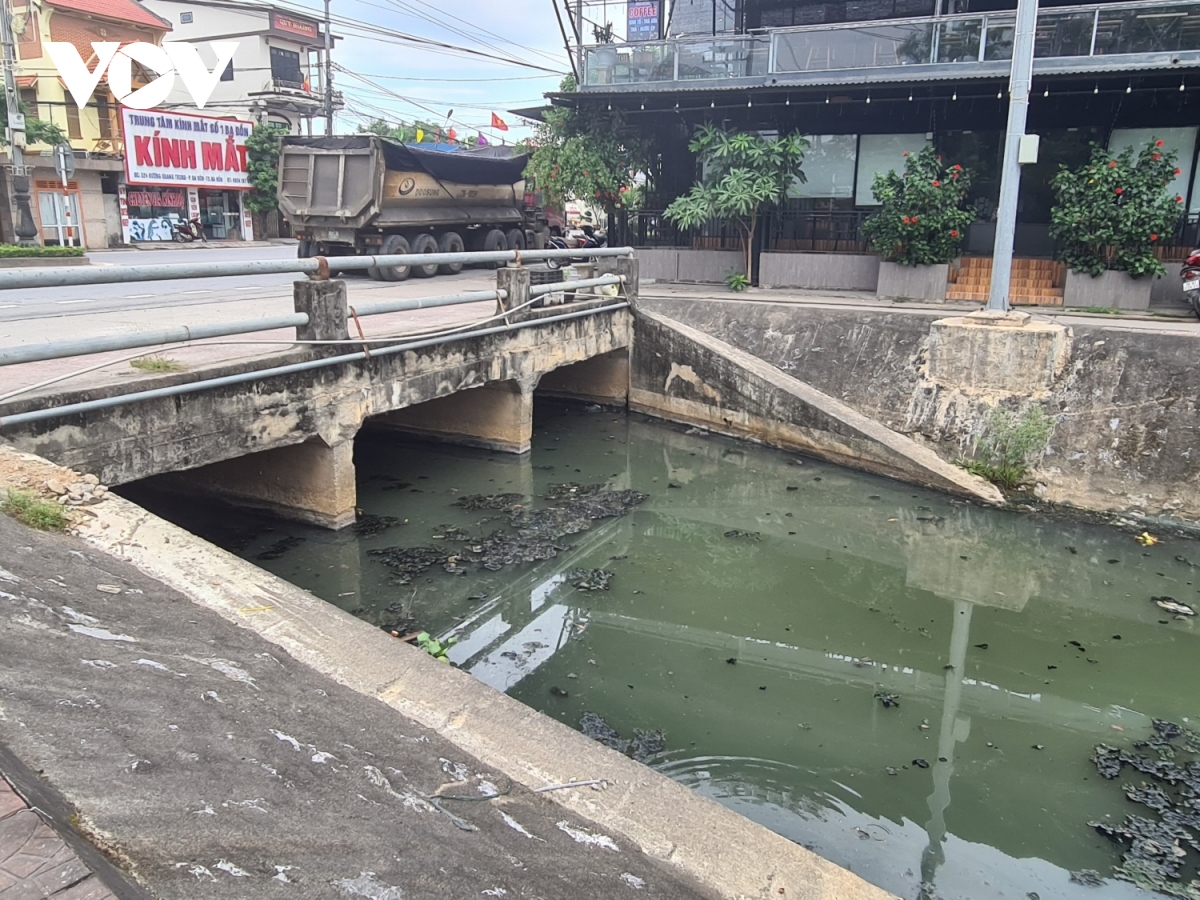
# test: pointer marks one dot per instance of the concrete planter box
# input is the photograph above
(682, 264)
(824, 271)
(1113, 290)
(27, 262)
(897, 282)
(658, 264)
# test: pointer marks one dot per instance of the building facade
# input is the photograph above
(87, 210)
(275, 75)
(868, 80)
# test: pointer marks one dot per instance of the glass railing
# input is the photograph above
(1065, 32)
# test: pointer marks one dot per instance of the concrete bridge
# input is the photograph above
(279, 433)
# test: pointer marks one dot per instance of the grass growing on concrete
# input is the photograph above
(736, 281)
(1101, 311)
(157, 364)
(1008, 443)
(28, 508)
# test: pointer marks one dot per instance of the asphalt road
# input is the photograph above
(59, 301)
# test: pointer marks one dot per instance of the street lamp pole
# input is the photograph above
(328, 72)
(25, 229)
(1010, 181)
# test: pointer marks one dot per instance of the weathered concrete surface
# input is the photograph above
(696, 266)
(998, 353)
(602, 379)
(683, 374)
(326, 405)
(497, 415)
(913, 282)
(1110, 290)
(286, 661)
(1125, 404)
(832, 271)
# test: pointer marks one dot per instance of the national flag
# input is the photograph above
(420, 135)
(482, 141)
(498, 123)
(307, 87)
(452, 136)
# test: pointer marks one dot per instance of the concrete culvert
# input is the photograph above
(425, 243)
(394, 244)
(450, 242)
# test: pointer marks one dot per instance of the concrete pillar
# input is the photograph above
(515, 280)
(325, 303)
(995, 352)
(622, 265)
(310, 482)
(495, 416)
(602, 379)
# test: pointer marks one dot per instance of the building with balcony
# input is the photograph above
(275, 75)
(867, 80)
(87, 210)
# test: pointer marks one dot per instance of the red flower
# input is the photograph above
(1157, 156)
(954, 233)
(1158, 143)
(1178, 199)
(907, 220)
(585, 175)
(1120, 190)
(1177, 171)
(915, 220)
(1112, 164)
(1154, 237)
(957, 167)
(937, 183)
(906, 153)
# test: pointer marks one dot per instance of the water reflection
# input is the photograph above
(760, 656)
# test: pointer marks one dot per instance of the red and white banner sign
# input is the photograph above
(174, 148)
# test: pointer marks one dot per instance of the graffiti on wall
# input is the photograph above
(155, 229)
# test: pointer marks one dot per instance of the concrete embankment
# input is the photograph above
(224, 734)
(1123, 399)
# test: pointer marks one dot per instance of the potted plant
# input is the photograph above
(1109, 216)
(920, 225)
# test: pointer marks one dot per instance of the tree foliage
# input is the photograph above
(744, 174)
(37, 131)
(1111, 212)
(586, 154)
(262, 152)
(921, 220)
(408, 132)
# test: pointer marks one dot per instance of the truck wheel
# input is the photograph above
(450, 242)
(425, 243)
(393, 244)
(515, 238)
(494, 241)
(304, 249)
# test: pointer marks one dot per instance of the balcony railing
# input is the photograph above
(1107, 30)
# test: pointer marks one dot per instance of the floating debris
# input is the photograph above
(1171, 605)
(476, 502)
(453, 533)
(589, 579)
(749, 535)
(1087, 877)
(1146, 539)
(921, 763)
(280, 547)
(643, 746)
(369, 524)
(405, 562)
(887, 698)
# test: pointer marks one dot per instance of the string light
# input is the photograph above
(910, 96)
(1046, 92)
(789, 101)
(713, 105)
(868, 98)
(1129, 88)
(1096, 89)
(749, 103)
(1181, 86)
(826, 98)
(999, 95)
(643, 104)
(955, 95)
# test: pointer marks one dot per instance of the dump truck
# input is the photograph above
(365, 195)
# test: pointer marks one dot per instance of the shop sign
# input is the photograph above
(292, 26)
(643, 21)
(183, 149)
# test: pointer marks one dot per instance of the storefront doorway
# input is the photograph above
(59, 212)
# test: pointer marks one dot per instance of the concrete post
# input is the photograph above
(622, 265)
(516, 281)
(325, 303)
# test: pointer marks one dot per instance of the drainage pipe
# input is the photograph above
(388, 306)
(309, 365)
(317, 266)
(558, 287)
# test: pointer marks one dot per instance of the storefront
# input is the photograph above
(180, 167)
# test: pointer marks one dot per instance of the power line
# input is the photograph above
(474, 27)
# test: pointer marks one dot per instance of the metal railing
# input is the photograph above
(1103, 30)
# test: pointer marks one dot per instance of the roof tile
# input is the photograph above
(129, 11)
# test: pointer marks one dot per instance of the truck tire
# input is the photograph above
(450, 242)
(425, 243)
(515, 239)
(393, 244)
(494, 241)
(304, 249)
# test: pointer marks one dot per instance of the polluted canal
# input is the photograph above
(911, 686)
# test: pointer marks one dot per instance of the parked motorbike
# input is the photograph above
(187, 232)
(585, 239)
(1190, 275)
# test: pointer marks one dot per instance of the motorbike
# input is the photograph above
(186, 232)
(1189, 273)
(585, 239)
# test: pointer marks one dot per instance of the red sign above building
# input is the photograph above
(294, 26)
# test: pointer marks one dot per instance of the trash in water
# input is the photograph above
(280, 547)
(1171, 605)
(750, 535)
(369, 524)
(643, 746)
(589, 579)
(887, 699)
(1087, 877)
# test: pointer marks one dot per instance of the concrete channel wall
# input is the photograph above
(1124, 400)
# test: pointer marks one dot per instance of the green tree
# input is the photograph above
(1112, 212)
(262, 152)
(586, 154)
(406, 132)
(921, 220)
(744, 174)
(37, 131)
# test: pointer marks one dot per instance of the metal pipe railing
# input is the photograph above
(314, 266)
(389, 306)
(539, 290)
(11, 356)
(243, 377)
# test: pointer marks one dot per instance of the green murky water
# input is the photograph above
(760, 657)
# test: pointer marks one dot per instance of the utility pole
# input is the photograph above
(25, 229)
(579, 37)
(328, 72)
(1010, 179)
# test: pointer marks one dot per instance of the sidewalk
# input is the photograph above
(204, 245)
